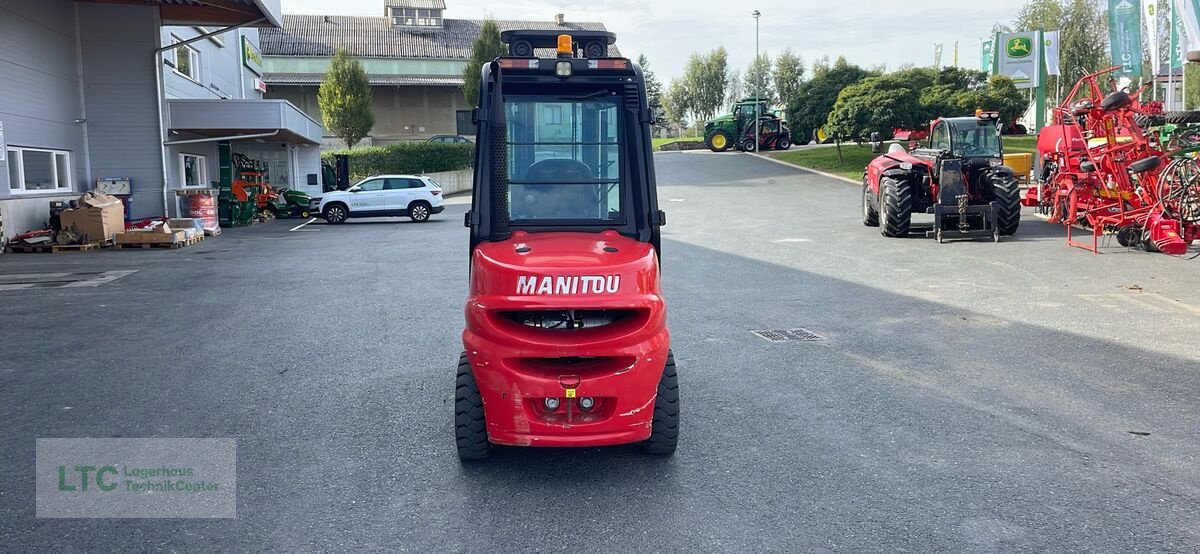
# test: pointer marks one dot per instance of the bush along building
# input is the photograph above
(413, 56)
(141, 97)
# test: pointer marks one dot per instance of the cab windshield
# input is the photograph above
(976, 141)
(563, 159)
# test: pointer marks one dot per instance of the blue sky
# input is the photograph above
(867, 32)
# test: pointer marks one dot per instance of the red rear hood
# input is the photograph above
(563, 264)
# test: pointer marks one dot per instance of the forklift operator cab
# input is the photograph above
(564, 159)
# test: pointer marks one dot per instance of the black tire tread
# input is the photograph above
(1182, 117)
(898, 195)
(664, 433)
(1146, 121)
(870, 215)
(1007, 194)
(470, 427)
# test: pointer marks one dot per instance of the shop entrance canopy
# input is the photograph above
(267, 120)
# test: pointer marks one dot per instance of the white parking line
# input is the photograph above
(297, 228)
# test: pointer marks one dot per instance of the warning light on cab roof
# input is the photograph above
(565, 48)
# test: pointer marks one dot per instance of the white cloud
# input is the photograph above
(867, 32)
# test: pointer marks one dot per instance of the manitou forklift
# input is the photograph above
(566, 342)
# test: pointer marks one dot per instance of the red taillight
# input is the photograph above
(518, 63)
(608, 64)
(435, 192)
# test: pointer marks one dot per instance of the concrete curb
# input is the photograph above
(808, 169)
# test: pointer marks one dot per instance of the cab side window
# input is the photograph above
(940, 139)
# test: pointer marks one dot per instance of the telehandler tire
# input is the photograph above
(896, 207)
(870, 217)
(1007, 193)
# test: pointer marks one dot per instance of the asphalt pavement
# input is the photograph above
(970, 396)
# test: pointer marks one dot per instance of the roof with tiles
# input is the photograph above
(376, 37)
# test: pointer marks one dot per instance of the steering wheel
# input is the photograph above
(971, 150)
(559, 169)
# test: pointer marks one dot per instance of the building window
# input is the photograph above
(38, 170)
(416, 18)
(192, 171)
(187, 61)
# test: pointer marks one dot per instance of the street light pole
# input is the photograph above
(757, 84)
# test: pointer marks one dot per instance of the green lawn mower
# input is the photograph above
(284, 203)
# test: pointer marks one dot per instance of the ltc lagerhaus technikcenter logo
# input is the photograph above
(136, 478)
(1019, 47)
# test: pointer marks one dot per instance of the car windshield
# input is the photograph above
(563, 161)
(973, 140)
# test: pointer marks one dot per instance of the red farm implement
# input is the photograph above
(1102, 169)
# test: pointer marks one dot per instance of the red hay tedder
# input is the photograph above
(1101, 169)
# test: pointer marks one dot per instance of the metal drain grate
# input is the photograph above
(787, 335)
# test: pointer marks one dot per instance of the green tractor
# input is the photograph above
(731, 130)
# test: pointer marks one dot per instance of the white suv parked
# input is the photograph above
(410, 196)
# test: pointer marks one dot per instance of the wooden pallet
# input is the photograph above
(29, 248)
(168, 245)
(65, 248)
(86, 247)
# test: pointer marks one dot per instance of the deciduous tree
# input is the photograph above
(345, 99)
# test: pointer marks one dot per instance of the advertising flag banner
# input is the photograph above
(1150, 19)
(985, 56)
(1125, 36)
(1187, 12)
(1018, 54)
(1050, 43)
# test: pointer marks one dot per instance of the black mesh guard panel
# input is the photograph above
(498, 142)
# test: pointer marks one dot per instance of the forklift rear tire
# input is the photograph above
(896, 204)
(664, 430)
(470, 427)
(336, 214)
(783, 143)
(870, 217)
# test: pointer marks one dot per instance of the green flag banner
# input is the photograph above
(1125, 35)
(985, 56)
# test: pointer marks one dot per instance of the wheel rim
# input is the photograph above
(336, 214)
(420, 213)
(718, 141)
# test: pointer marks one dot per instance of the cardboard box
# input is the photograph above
(99, 217)
(150, 237)
(192, 227)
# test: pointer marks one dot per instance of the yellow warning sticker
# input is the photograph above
(570, 393)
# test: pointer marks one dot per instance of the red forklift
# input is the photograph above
(566, 342)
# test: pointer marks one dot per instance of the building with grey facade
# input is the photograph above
(413, 56)
(92, 90)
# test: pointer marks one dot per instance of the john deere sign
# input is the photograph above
(1018, 59)
(1019, 47)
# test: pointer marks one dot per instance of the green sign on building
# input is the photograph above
(251, 56)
